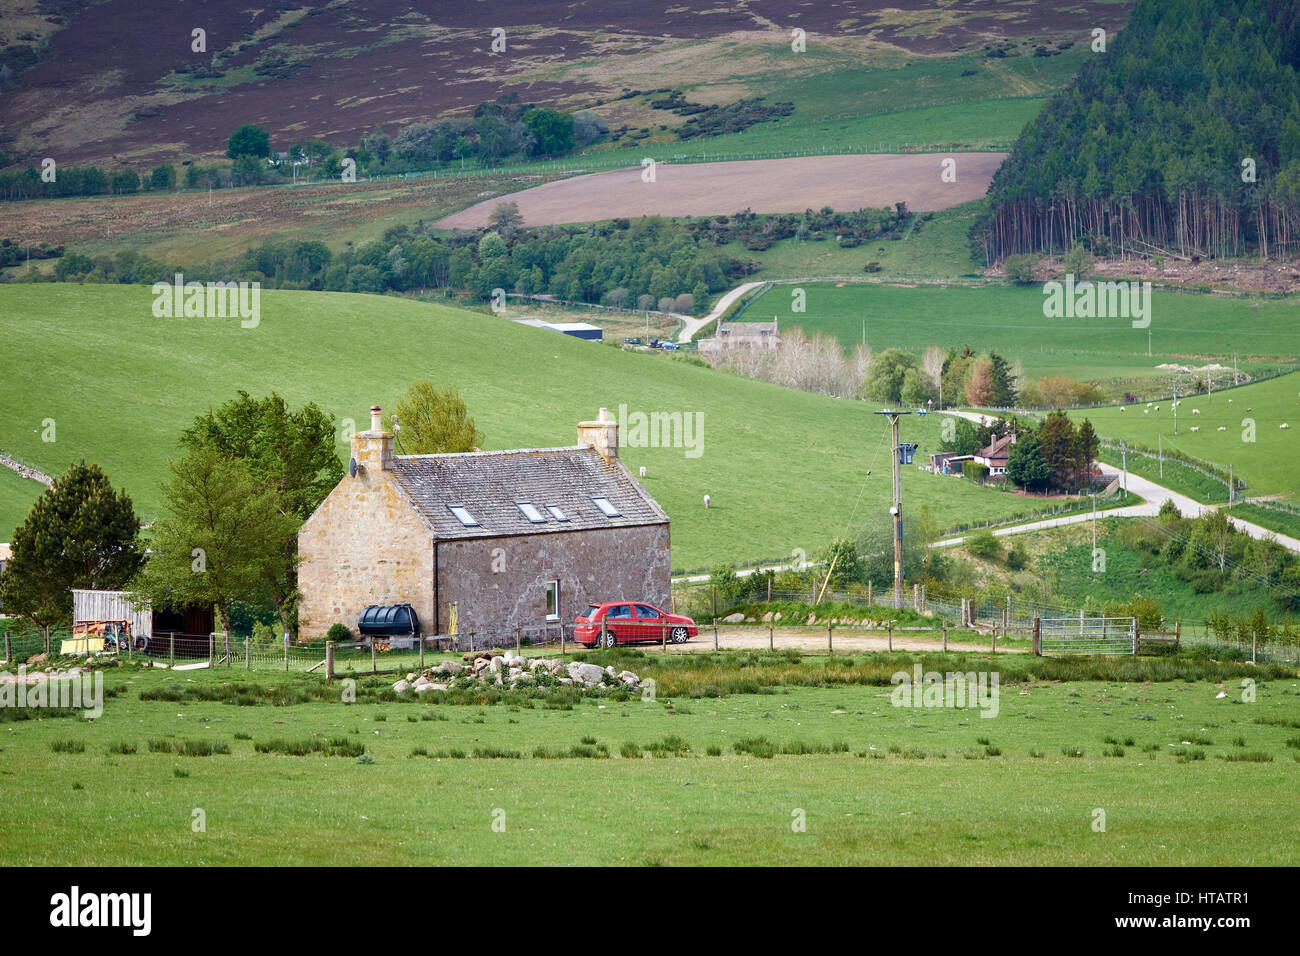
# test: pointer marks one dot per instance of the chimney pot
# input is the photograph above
(376, 423)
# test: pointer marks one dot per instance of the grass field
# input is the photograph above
(1267, 460)
(899, 786)
(17, 495)
(784, 469)
(1186, 328)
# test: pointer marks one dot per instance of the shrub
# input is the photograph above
(983, 544)
(338, 633)
(1020, 269)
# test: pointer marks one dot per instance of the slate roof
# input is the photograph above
(998, 450)
(489, 483)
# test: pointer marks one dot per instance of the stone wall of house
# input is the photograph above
(364, 545)
(498, 583)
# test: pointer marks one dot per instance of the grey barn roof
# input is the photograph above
(488, 484)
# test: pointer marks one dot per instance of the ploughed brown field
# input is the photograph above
(762, 186)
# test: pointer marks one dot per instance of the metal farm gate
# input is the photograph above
(1060, 636)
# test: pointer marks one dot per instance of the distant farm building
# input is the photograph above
(579, 330)
(762, 335)
(995, 456)
(482, 543)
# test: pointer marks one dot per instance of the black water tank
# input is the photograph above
(389, 619)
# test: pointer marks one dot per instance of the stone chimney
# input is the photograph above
(601, 434)
(373, 449)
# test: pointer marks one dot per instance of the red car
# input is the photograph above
(626, 622)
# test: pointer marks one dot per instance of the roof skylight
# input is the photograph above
(463, 515)
(530, 512)
(608, 509)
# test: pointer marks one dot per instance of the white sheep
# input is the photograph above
(1196, 411)
(1196, 428)
(1223, 428)
(643, 471)
(1284, 425)
(706, 502)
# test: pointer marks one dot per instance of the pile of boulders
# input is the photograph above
(508, 670)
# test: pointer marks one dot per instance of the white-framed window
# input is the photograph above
(553, 601)
(557, 512)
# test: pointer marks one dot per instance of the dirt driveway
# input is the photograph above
(813, 640)
(763, 185)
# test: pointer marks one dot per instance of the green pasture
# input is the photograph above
(1252, 442)
(1185, 775)
(1186, 328)
(784, 469)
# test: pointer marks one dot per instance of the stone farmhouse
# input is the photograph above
(480, 543)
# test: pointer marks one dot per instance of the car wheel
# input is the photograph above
(610, 639)
(142, 644)
(680, 635)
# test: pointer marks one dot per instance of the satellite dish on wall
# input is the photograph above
(352, 467)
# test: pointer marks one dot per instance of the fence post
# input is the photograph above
(869, 600)
(519, 630)
(1178, 635)
(916, 598)
(995, 640)
(420, 638)
(9, 654)
(1038, 637)
(924, 604)
(945, 636)
(171, 649)
(663, 636)
(1252, 647)
(374, 665)
(226, 641)
(1137, 636)
(212, 649)
(715, 637)
(561, 637)
(329, 660)
(771, 640)
(604, 630)
(248, 653)
(889, 630)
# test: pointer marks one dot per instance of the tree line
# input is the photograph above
(1184, 136)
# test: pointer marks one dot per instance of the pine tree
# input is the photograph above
(79, 534)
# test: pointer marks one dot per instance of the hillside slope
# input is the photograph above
(783, 469)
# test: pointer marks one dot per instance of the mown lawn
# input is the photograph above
(901, 785)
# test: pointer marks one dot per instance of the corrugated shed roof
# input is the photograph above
(489, 484)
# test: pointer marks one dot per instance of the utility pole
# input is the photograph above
(897, 508)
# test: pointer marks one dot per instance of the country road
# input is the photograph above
(690, 326)
(1152, 494)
